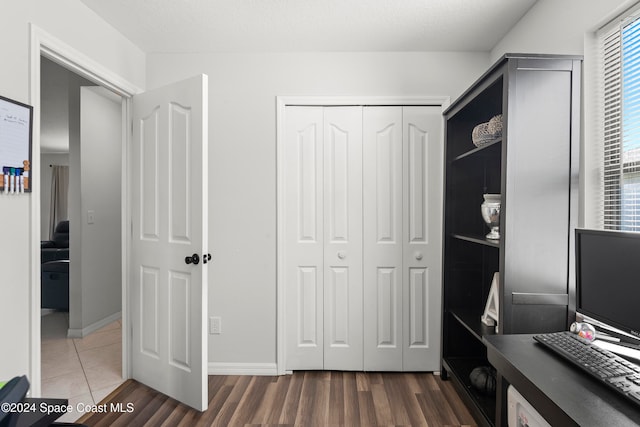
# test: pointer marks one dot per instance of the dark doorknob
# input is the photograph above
(193, 259)
(206, 258)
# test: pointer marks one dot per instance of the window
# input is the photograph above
(620, 59)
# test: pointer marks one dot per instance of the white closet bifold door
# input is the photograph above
(422, 263)
(382, 230)
(343, 238)
(304, 240)
(362, 221)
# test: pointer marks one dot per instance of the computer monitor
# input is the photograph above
(608, 280)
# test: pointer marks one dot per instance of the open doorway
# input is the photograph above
(81, 131)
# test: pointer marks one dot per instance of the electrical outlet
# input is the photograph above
(215, 325)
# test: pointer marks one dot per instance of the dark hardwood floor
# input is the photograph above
(313, 398)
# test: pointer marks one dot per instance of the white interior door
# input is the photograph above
(169, 215)
(343, 238)
(383, 238)
(422, 239)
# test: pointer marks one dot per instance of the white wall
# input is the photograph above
(558, 27)
(54, 119)
(77, 26)
(101, 166)
(567, 27)
(76, 252)
(242, 162)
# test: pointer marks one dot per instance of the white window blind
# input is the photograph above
(620, 61)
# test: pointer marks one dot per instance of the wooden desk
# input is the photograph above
(563, 394)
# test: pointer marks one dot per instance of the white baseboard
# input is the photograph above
(267, 369)
(80, 333)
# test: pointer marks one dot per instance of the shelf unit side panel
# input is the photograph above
(536, 198)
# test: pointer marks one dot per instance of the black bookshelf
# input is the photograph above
(533, 165)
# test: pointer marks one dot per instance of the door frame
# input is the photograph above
(44, 44)
(282, 102)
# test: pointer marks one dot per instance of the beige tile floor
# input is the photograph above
(83, 370)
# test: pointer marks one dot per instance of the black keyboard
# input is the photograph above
(609, 368)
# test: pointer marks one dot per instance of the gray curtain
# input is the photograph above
(59, 196)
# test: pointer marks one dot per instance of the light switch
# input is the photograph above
(91, 217)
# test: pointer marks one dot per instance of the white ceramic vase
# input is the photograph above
(490, 209)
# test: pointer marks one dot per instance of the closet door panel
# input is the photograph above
(304, 239)
(343, 238)
(421, 236)
(382, 240)
(363, 232)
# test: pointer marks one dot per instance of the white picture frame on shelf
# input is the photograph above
(491, 309)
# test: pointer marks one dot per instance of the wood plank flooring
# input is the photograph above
(313, 398)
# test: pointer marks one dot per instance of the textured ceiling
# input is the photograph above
(190, 26)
